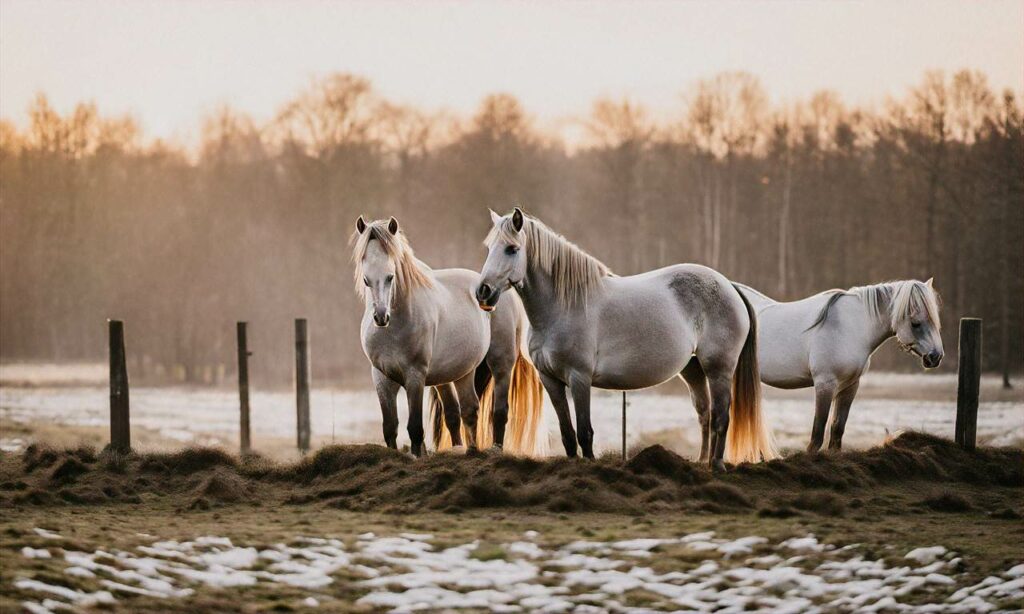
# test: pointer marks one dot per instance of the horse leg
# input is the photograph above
(844, 399)
(414, 395)
(500, 365)
(556, 392)
(502, 379)
(581, 402)
(824, 391)
(451, 412)
(720, 386)
(387, 394)
(697, 382)
(469, 403)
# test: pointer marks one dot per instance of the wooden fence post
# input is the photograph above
(245, 443)
(968, 382)
(302, 383)
(623, 426)
(120, 428)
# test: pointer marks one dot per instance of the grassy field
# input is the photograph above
(916, 491)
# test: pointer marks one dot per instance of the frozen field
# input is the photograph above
(887, 403)
(407, 572)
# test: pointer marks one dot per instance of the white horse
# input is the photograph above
(422, 328)
(826, 341)
(592, 328)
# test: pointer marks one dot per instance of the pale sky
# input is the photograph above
(168, 63)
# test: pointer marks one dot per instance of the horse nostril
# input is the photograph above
(483, 292)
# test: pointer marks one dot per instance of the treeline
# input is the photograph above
(96, 222)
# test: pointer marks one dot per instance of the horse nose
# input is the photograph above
(381, 318)
(483, 292)
(934, 358)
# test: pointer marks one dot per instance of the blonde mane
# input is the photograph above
(910, 297)
(573, 271)
(896, 300)
(410, 272)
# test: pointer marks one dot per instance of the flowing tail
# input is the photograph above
(525, 410)
(749, 439)
(525, 404)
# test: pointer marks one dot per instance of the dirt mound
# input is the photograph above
(219, 486)
(374, 478)
(656, 459)
(187, 461)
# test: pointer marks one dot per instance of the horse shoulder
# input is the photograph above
(841, 344)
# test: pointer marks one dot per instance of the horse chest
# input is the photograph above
(559, 353)
(394, 350)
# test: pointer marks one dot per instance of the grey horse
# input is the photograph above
(592, 328)
(827, 340)
(422, 328)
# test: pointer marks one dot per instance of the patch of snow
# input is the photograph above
(77, 597)
(926, 555)
(35, 553)
(803, 544)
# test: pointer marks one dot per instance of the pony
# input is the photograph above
(590, 327)
(422, 328)
(826, 341)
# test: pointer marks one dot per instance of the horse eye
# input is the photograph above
(915, 325)
(389, 278)
(366, 281)
(512, 250)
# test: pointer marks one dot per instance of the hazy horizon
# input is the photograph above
(168, 64)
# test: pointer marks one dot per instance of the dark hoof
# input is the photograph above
(718, 466)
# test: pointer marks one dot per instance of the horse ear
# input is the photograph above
(393, 225)
(360, 225)
(517, 219)
(495, 218)
(929, 282)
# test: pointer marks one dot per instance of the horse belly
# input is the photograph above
(783, 361)
(643, 357)
(458, 350)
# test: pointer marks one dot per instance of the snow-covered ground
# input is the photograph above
(887, 403)
(406, 572)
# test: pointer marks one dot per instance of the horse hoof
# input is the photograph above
(718, 466)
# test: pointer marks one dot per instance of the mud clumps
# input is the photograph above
(67, 470)
(374, 478)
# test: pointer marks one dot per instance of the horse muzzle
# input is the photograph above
(381, 318)
(931, 360)
(487, 297)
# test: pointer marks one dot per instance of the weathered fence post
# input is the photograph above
(968, 382)
(623, 426)
(244, 441)
(120, 428)
(302, 383)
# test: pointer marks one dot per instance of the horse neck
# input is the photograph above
(540, 298)
(402, 307)
(881, 321)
